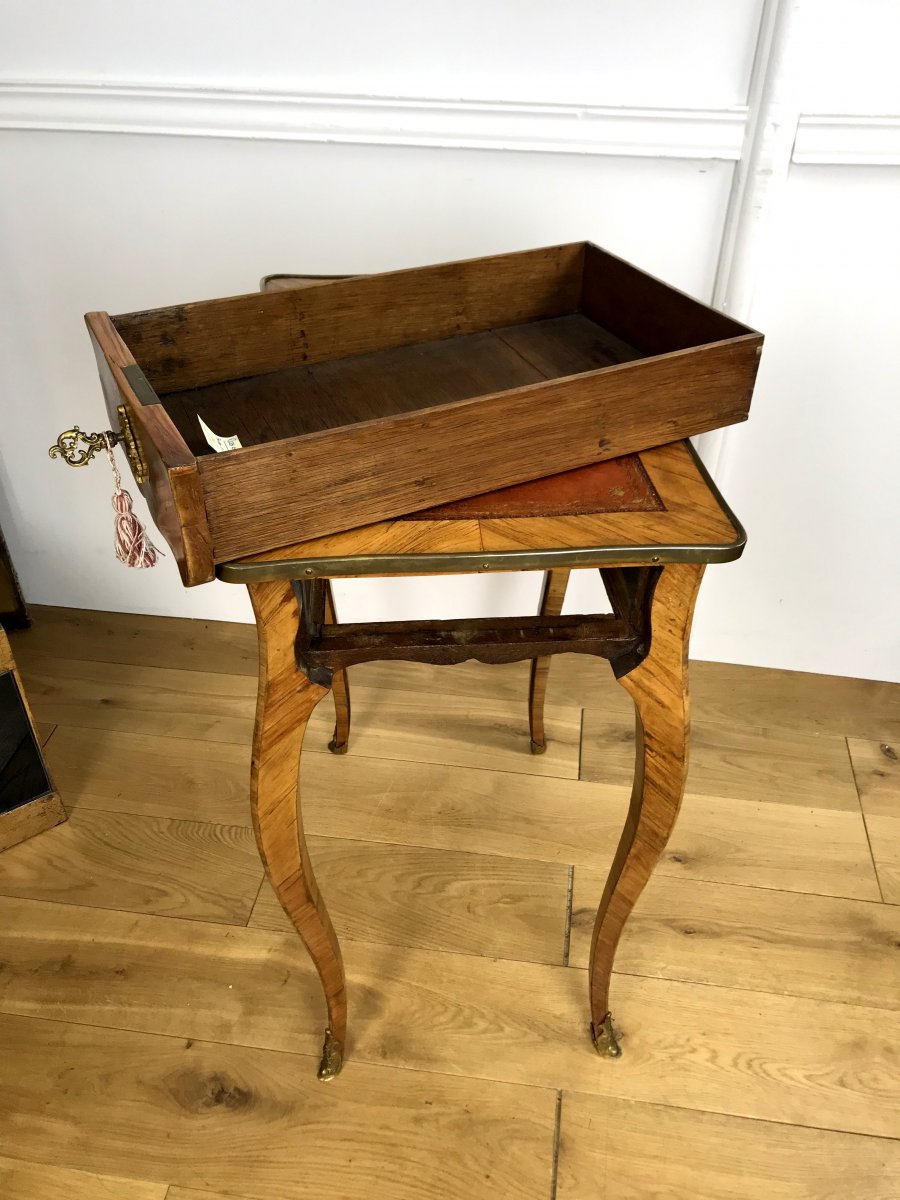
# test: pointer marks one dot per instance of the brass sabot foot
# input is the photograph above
(332, 1057)
(605, 1040)
(538, 747)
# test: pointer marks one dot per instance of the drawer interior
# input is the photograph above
(287, 364)
(300, 400)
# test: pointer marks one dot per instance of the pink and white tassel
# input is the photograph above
(133, 546)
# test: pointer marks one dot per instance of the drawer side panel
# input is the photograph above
(192, 345)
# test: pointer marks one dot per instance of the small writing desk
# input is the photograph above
(649, 522)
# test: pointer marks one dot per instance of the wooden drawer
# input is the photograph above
(366, 398)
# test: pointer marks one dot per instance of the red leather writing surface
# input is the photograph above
(618, 485)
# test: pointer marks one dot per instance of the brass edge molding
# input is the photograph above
(472, 563)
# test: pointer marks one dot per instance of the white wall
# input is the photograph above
(814, 472)
(142, 165)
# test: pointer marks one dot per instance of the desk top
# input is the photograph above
(658, 506)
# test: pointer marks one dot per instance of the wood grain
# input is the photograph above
(625, 1150)
(190, 345)
(760, 1048)
(189, 780)
(823, 704)
(658, 685)
(876, 771)
(471, 732)
(436, 899)
(329, 477)
(219, 708)
(336, 388)
(286, 701)
(779, 1058)
(142, 864)
(884, 836)
(226, 647)
(481, 811)
(208, 1116)
(21, 1180)
(340, 687)
(691, 515)
(553, 593)
(302, 400)
(28, 820)
(732, 695)
(765, 763)
(847, 951)
(718, 1049)
(686, 513)
(198, 705)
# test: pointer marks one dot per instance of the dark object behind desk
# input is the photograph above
(12, 605)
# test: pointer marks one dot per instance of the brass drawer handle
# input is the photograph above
(78, 448)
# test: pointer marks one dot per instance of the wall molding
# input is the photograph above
(848, 141)
(374, 120)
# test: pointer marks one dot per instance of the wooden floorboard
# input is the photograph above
(479, 811)
(815, 946)
(721, 692)
(160, 1023)
(213, 1117)
(649, 1150)
(876, 767)
(206, 706)
(140, 864)
(743, 1053)
(742, 762)
(35, 1181)
(436, 899)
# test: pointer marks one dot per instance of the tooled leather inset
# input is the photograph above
(617, 485)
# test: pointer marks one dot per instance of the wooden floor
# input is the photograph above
(160, 1026)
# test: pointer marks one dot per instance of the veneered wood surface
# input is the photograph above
(553, 593)
(285, 702)
(659, 688)
(340, 687)
(674, 507)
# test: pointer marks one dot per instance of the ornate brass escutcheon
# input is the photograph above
(78, 448)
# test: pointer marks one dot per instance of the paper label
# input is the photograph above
(219, 443)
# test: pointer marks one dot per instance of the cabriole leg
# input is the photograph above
(340, 688)
(659, 688)
(285, 701)
(552, 596)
